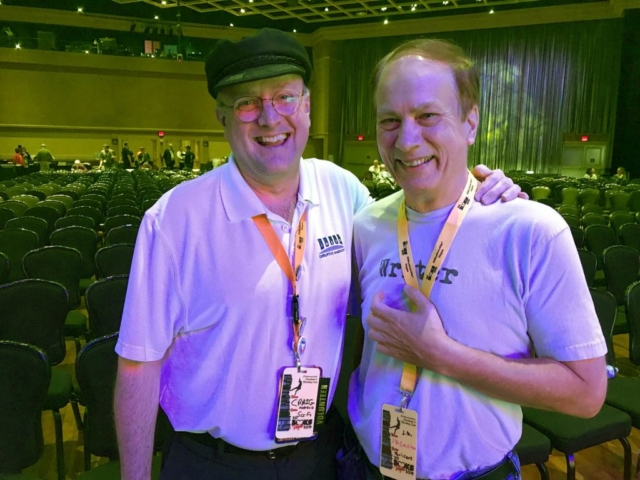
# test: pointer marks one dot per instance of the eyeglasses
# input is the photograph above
(248, 109)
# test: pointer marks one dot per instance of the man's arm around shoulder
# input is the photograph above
(136, 407)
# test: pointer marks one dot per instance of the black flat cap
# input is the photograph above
(270, 53)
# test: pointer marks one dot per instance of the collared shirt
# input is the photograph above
(205, 285)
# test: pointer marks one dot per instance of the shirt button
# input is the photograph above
(286, 228)
(300, 204)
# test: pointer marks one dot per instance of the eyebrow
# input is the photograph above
(421, 106)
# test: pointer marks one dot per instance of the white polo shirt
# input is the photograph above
(205, 285)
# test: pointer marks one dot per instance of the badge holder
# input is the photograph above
(399, 441)
(302, 404)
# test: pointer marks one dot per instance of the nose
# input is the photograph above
(268, 116)
(409, 135)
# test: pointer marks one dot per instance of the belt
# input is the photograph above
(499, 472)
(224, 447)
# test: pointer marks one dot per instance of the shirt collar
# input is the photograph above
(239, 200)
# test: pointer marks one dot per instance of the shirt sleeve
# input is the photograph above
(561, 317)
(154, 311)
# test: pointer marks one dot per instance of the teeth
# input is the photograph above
(274, 139)
(415, 163)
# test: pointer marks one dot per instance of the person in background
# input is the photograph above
(78, 167)
(127, 156)
(469, 310)
(18, 160)
(107, 158)
(169, 157)
(189, 159)
(214, 324)
(375, 168)
(25, 155)
(143, 159)
(591, 174)
(43, 155)
(621, 174)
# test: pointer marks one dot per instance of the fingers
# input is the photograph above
(481, 172)
(511, 194)
(417, 297)
(523, 195)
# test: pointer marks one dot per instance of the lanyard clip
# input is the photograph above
(406, 398)
(294, 309)
(298, 364)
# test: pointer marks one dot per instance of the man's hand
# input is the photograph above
(413, 337)
(495, 185)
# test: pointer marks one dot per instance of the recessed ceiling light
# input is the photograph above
(79, 9)
(413, 9)
(156, 17)
(86, 51)
(491, 12)
(326, 9)
(242, 10)
(164, 2)
(295, 31)
(383, 9)
(361, 14)
(446, 2)
(385, 21)
(231, 24)
(17, 46)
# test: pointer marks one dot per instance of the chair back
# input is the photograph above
(6, 214)
(105, 304)
(617, 219)
(54, 203)
(75, 221)
(59, 264)
(619, 201)
(114, 260)
(33, 311)
(124, 210)
(65, 199)
(570, 196)
(540, 192)
(633, 321)
(122, 200)
(4, 268)
(630, 235)
(30, 200)
(46, 213)
(15, 243)
(92, 212)
(594, 219)
(83, 239)
(24, 380)
(120, 220)
(88, 202)
(572, 220)
(621, 266)
(634, 201)
(592, 208)
(597, 238)
(588, 196)
(18, 208)
(606, 310)
(578, 236)
(589, 263)
(35, 224)
(96, 370)
(123, 234)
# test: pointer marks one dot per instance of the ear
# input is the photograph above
(472, 125)
(221, 117)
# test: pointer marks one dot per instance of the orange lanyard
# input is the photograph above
(282, 258)
(440, 250)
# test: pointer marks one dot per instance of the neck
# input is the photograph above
(278, 195)
(429, 200)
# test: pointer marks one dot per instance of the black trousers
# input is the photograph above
(187, 459)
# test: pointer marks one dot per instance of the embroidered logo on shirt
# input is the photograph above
(330, 245)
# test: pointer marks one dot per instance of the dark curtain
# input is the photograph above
(538, 82)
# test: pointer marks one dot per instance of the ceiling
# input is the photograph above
(304, 16)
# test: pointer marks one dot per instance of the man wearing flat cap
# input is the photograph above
(235, 313)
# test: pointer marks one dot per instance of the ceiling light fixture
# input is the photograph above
(385, 21)
(413, 9)
(80, 9)
(242, 10)
(295, 31)
(446, 2)
(156, 17)
(383, 9)
(231, 24)
(490, 12)
(18, 46)
(326, 9)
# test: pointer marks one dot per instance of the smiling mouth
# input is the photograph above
(417, 162)
(274, 140)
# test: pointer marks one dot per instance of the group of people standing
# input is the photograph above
(22, 158)
(142, 159)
